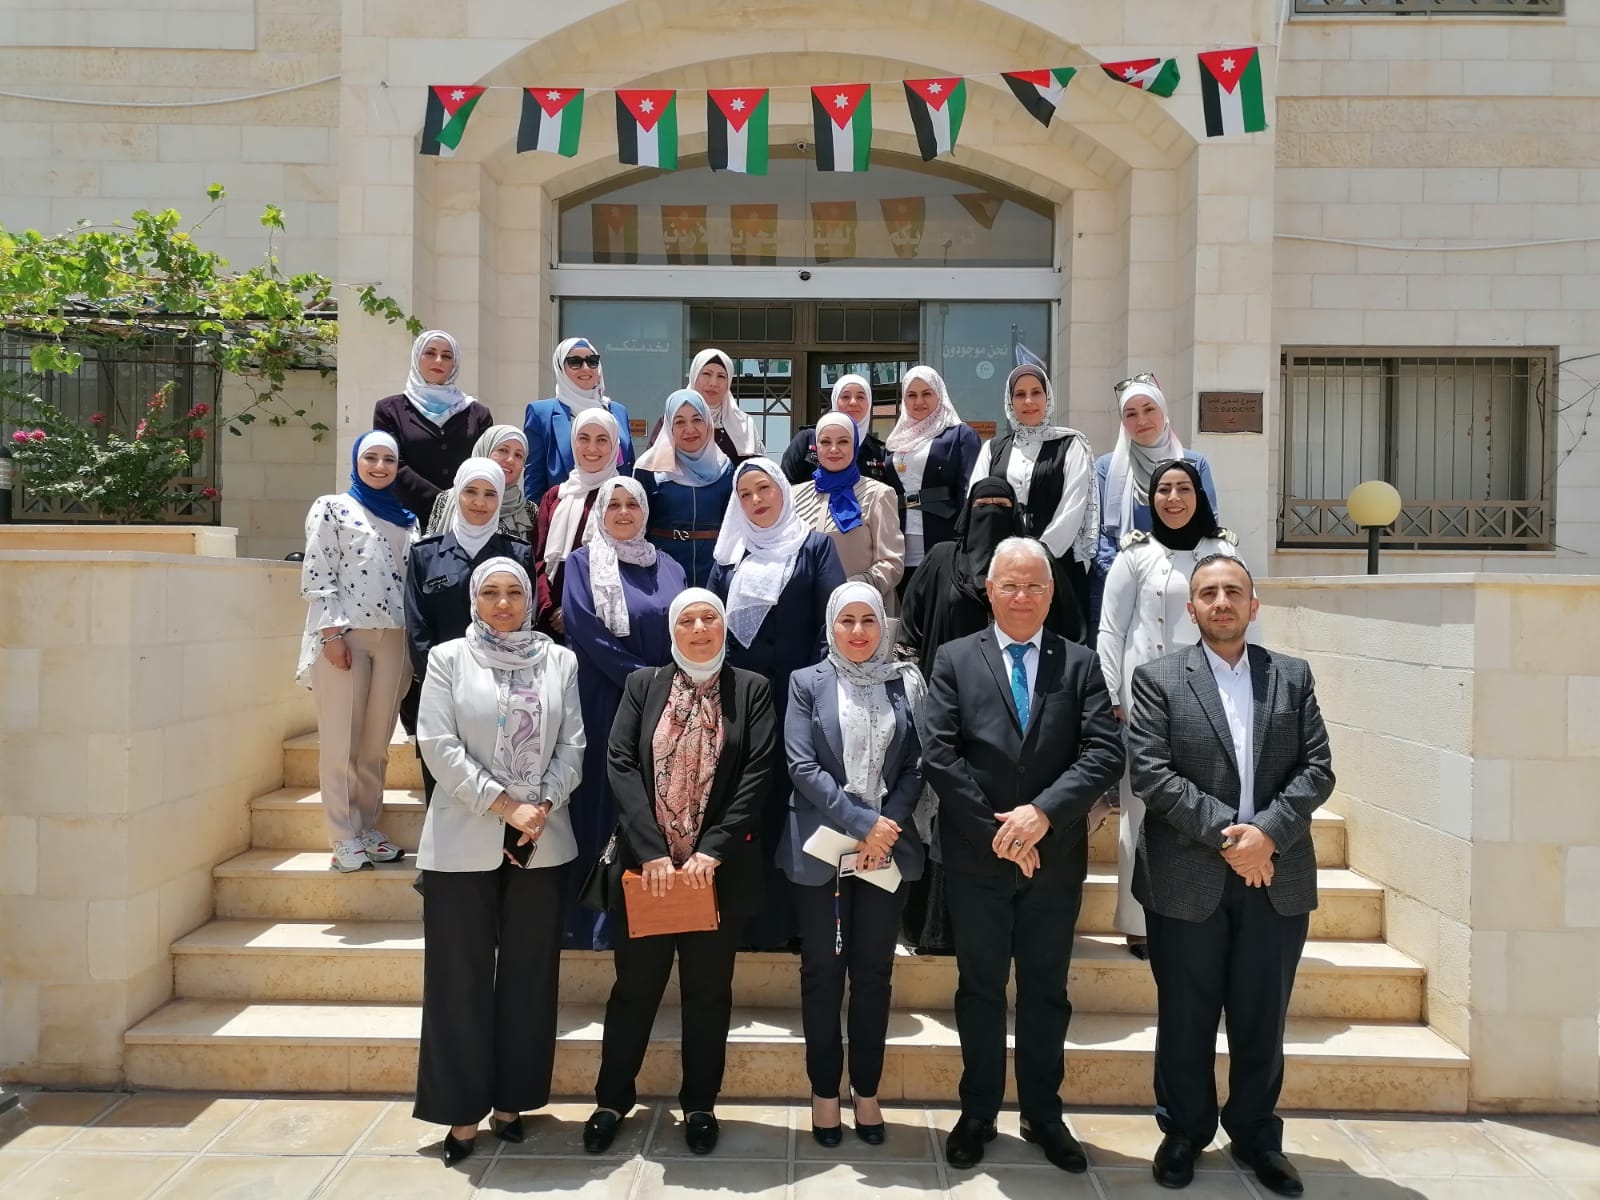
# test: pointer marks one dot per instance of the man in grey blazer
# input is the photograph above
(1230, 755)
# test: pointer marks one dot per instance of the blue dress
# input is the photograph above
(791, 638)
(677, 508)
(548, 428)
(604, 662)
(1107, 549)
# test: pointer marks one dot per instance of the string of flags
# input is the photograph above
(737, 118)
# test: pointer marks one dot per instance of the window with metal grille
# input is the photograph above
(1460, 434)
(117, 381)
(1486, 8)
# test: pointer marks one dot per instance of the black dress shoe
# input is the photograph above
(1140, 950)
(1059, 1146)
(828, 1135)
(455, 1149)
(600, 1130)
(508, 1131)
(1173, 1165)
(964, 1146)
(1272, 1167)
(700, 1132)
(872, 1135)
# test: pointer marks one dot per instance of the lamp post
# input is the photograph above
(1373, 505)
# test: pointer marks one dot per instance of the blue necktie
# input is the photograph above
(1019, 679)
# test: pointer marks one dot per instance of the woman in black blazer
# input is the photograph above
(689, 761)
(933, 454)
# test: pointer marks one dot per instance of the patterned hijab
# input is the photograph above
(567, 518)
(1034, 436)
(517, 661)
(438, 402)
(866, 718)
(762, 559)
(909, 436)
(1128, 478)
(606, 554)
(687, 742)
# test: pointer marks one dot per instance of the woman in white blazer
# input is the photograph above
(1144, 615)
(500, 728)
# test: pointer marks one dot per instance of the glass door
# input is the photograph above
(883, 369)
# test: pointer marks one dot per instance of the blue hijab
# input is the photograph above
(692, 470)
(840, 486)
(380, 502)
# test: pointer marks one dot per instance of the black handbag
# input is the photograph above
(596, 890)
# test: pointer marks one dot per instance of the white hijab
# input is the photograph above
(606, 554)
(1128, 478)
(437, 402)
(866, 719)
(729, 417)
(697, 672)
(908, 436)
(762, 559)
(473, 537)
(566, 519)
(863, 425)
(574, 397)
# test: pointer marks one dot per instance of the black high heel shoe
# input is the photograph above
(455, 1149)
(508, 1131)
(872, 1135)
(826, 1135)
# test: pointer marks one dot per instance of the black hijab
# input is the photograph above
(1202, 524)
(979, 529)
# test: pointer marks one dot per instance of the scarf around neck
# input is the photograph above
(513, 518)
(762, 559)
(839, 487)
(1128, 476)
(691, 470)
(909, 436)
(437, 402)
(566, 521)
(1033, 436)
(606, 554)
(866, 717)
(517, 661)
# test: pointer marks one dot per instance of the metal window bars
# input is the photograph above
(1482, 8)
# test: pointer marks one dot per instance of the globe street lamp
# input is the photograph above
(1373, 505)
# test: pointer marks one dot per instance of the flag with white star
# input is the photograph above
(841, 115)
(736, 130)
(937, 106)
(552, 120)
(647, 127)
(449, 106)
(1159, 76)
(1230, 91)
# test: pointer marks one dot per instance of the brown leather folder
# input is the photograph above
(682, 910)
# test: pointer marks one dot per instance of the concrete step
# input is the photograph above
(228, 1045)
(300, 759)
(297, 885)
(381, 963)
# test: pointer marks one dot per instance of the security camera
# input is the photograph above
(802, 147)
(805, 276)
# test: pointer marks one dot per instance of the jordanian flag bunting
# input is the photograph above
(1230, 90)
(1040, 91)
(841, 114)
(647, 127)
(552, 120)
(1156, 75)
(736, 130)
(449, 108)
(937, 106)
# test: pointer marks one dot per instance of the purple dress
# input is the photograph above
(604, 663)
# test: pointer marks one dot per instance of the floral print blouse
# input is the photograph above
(354, 573)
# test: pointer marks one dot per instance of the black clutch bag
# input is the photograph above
(596, 890)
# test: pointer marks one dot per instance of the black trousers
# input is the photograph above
(868, 919)
(772, 926)
(705, 989)
(491, 966)
(1238, 963)
(997, 918)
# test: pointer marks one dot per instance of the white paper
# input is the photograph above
(830, 846)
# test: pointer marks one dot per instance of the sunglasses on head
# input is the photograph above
(582, 360)
(1119, 388)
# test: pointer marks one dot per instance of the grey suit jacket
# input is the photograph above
(814, 745)
(1183, 768)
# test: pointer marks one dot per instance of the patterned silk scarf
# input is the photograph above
(686, 746)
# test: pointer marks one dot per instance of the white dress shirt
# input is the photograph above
(1238, 705)
(912, 466)
(1030, 660)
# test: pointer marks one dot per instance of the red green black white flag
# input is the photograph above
(1230, 91)
(449, 107)
(1156, 75)
(1040, 91)
(552, 120)
(647, 127)
(736, 130)
(937, 106)
(841, 116)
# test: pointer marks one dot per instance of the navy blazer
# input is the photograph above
(950, 461)
(438, 608)
(813, 742)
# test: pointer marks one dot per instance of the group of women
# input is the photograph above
(700, 665)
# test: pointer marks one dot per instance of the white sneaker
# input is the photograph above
(379, 848)
(350, 856)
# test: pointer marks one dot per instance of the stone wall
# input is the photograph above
(271, 473)
(1462, 712)
(144, 699)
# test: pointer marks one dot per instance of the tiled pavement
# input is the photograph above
(161, 1144)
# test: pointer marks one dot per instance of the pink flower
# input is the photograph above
(198, 411)
(97, 419)
(139, 430)
(20, 436)
(210, 493)
(38, 435)
(198, 435)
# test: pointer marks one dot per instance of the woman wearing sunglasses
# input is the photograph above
(580, 386)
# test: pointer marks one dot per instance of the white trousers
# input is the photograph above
(1130, 913)
(356, 712)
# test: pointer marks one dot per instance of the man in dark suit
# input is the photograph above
(1230, 756)
(1020, 743)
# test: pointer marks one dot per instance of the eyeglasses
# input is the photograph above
(1119, 388)
(583, 360)
(1012, 590)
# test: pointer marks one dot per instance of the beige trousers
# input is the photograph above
(356, 711)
